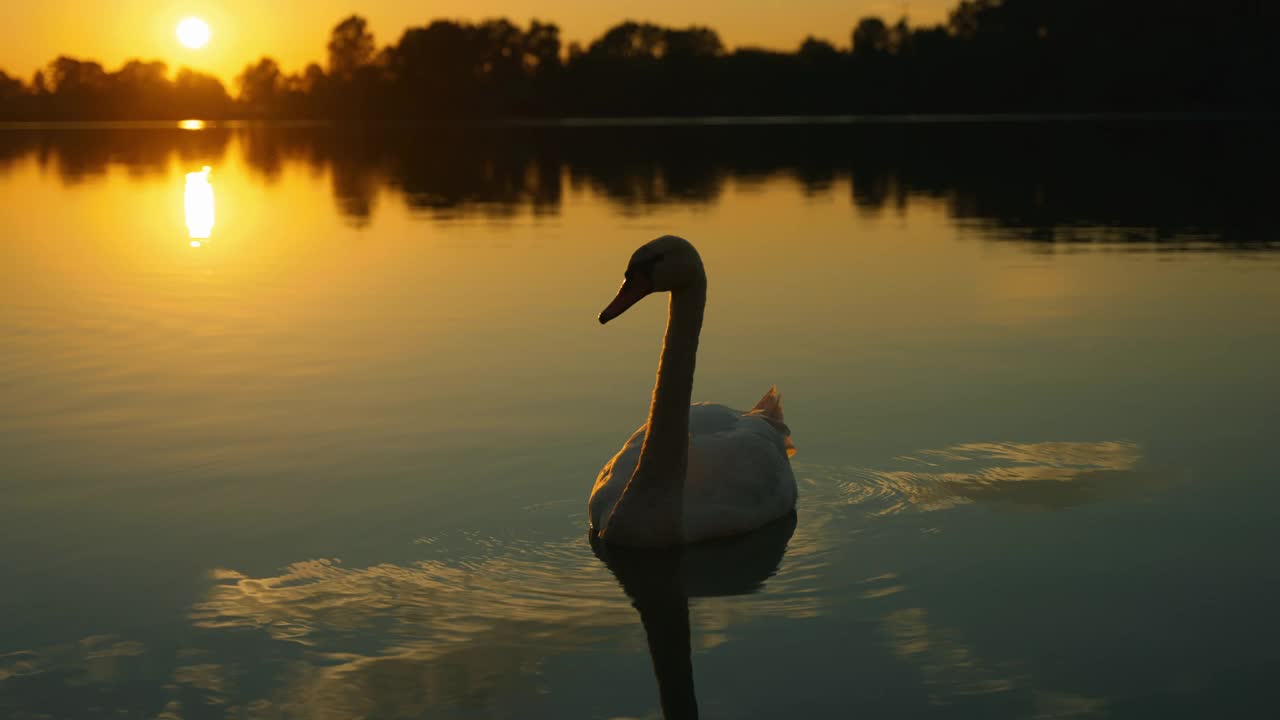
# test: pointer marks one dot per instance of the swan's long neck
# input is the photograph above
(650, 510)
(664, 457)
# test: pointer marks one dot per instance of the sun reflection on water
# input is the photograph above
(198, 204)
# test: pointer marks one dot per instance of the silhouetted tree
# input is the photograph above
(198, 94)
(139, 87)
(74, 79)
(72, 88)
(261, 84)
(629, 41)
(351, 47)
(815, 50)
(870, 38)
(692, 42)
(542, 46)
(645, 41)
(11, 88)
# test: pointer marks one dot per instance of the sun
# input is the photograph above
(193, 33)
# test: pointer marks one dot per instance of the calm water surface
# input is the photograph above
(332, 460)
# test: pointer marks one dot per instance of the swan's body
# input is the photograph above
(695, 472)
(738, 478)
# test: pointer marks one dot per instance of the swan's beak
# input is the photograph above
(631, 292)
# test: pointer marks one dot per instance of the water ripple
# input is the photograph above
(1047, 475)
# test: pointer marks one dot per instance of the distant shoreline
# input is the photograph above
(196, 125)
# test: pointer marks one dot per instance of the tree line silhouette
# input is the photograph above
(988, 56)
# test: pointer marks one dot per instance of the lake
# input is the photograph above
(311, 434)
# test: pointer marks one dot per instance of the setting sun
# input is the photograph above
(193, 33)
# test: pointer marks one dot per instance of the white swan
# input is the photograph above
(691, 472)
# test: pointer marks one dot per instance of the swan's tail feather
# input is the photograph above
(770, 408)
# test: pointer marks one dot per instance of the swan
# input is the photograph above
(690, 473)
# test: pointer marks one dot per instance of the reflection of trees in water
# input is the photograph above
(1040, 182)
(1043, 182)
(494, 175)
(78, 155)
(445, 174)
(267, 151)
(1162, 181)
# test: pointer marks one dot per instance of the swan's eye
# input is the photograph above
(642, 261)
(645, 266)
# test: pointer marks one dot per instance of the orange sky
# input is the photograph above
(294, 31)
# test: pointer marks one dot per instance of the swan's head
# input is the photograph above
(666, 264)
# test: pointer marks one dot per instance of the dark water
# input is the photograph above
(329, 457)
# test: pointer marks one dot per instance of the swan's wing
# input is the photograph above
(749, 445)
(613, 479)
(739, 478)
(712, 418)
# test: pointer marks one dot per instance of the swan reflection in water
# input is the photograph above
(660, 583)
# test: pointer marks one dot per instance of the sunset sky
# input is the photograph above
(295, 31)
